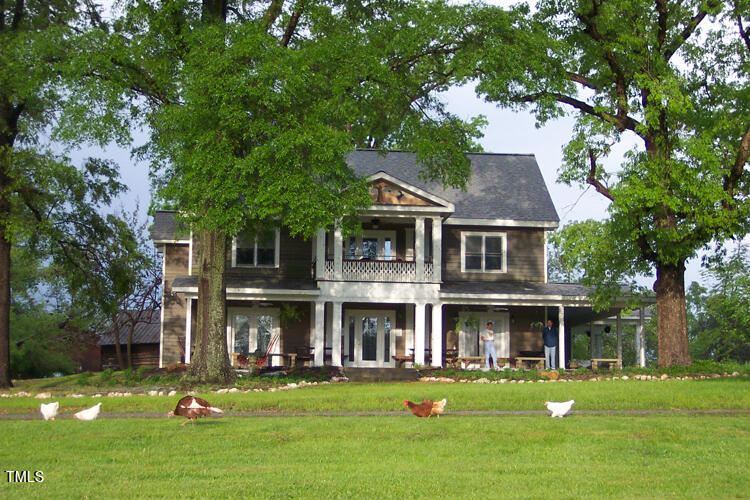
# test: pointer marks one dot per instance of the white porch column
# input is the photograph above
(320, 254)
(419, 249)
(640, 336)
(437, 334)
(336, 335)
(437, 248)
(419, 326)
(619, 337)
(561, 336)
(319, 334)
(338, 256)
(188, 328)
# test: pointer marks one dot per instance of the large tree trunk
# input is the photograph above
(5, 380)
(211, 360)
(672, 316)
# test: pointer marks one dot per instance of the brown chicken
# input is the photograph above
(438, 407)
(191, 408)
(422, 409)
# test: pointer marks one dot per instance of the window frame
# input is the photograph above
(277, 242)
(484, 234)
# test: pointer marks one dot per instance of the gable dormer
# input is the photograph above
(390, 194)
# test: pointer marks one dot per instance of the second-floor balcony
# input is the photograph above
(398, 271)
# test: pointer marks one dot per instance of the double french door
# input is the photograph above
(369, 338)
(251, 329)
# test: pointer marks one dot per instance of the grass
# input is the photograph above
(721, 393)
(690, 455)
(383, 457)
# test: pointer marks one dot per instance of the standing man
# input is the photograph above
(549, 334)
(488, 337)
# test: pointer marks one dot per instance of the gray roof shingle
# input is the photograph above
(502, 186)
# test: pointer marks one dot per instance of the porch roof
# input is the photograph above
(513, 289)
(253, 287)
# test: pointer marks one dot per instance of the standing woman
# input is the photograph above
(488, 337)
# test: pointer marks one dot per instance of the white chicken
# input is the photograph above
(559, 409)
(49, 410)
(89, 413)
(438, 407)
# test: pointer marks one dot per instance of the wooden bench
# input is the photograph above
(538, 363)
(467, 360)
(610, 361)
(400, 359)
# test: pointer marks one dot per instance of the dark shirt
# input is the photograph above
(550, 336)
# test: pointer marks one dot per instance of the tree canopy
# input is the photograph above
(673, 76)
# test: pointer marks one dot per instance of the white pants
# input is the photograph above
(550, 357)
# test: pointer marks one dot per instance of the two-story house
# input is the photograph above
(430, 267)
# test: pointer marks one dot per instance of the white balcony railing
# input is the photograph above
(379, 270)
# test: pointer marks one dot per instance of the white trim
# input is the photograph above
(171, 242)
(190, 254)
(161, 313)
(188, 328)
(464, 221)
(414, 189)
(504, 238)
(276, 257)
(545, 257)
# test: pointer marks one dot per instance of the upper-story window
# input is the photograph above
(483, 252)
(256, 250)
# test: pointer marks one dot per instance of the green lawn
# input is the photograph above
(383, 457)
(621, 455)
(722, 393)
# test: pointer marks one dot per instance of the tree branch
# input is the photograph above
(620, 122)
(739, 164)
(274, 9)
(291, 26)
(593, 181)
(688, 31)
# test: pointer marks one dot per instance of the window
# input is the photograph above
(256, 250)
(483, 252)
(371, 245)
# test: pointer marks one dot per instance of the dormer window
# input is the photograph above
(256, 249)
(483, 252)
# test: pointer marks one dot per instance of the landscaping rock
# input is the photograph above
(664, 376)
(43, 395)
(735, 374)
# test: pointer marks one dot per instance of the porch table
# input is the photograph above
(610, 361)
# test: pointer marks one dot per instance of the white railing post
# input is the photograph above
(419, 248)
(561, 336)
(419, 332)
(337, 253)
(437, 249)
(437, 334)
(320, 254)
(319, 334)
(336, 335)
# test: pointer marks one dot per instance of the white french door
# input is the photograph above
(250, 329)
(470, 326)
(369, 338)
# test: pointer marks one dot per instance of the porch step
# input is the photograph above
(381, 374)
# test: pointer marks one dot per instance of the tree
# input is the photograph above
(253, 107)
(719, 313)
(44, 199)
(673, 77)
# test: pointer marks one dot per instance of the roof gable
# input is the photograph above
(386, 189)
